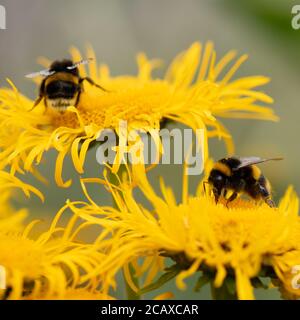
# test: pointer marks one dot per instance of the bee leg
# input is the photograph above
(270, 202)
(93, 83)
(78, 96)
(37, 101)
(204, 188)
(46, 106)
(217, 199)
(231, 198)
(217, 194)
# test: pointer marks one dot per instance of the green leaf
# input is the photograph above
(202, 281)
(171, 273)
(231, 285)
(257, 283)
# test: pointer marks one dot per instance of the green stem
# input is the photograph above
(132, 295)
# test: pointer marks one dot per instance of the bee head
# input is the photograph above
(217, 179)
(65, 65)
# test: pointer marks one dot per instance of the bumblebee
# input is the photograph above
(240, 175)
(62, 84)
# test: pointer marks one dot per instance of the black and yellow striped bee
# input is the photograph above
(62, 84)
(240, 175)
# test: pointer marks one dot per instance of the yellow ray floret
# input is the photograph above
(10, 218)
(9, 182)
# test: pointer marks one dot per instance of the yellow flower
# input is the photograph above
(241, 241)
(194, 91)
(48, 265)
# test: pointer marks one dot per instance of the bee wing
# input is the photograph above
(44, 73)
(76, 64)
(248, 161)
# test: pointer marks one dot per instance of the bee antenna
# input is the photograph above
(76, 64)
(43, 73)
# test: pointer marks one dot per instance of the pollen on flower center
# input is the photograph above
(239, 203)
(136, 103)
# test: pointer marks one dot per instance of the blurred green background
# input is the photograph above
(118, 29)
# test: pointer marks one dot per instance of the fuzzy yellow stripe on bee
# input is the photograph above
(223, 168)
(256, 173)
